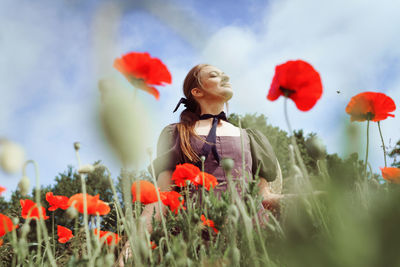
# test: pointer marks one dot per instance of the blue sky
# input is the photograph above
(53, 53)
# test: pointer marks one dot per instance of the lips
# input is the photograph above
(226, 84)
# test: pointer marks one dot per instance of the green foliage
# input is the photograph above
(394, 154)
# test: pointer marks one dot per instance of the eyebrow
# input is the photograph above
(216, 72)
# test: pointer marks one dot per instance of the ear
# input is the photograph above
(196, 92)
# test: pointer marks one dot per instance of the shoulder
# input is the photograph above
(169, 130)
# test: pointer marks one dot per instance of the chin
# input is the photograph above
(228, 95)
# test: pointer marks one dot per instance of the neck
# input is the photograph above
(212, 108)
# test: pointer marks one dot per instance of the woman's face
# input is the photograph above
(215, 83)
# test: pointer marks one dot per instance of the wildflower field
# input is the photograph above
(327, 209)
(333, 212)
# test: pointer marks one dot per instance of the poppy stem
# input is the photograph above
(85, 206)
(160, 206)
(294, 143)
(383, 143)
(243, 159)
(366, 153)
(40, 222)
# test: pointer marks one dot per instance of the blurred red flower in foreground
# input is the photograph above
(64, 234)
(147, 193)
(209, 223)
(370, 106)
(189, 172)
(141, 70)
(297, 80)
(30, 210)
(2, 189)
(209, 180)
(111, 237)
(153, 245)
(391, 174)
(171, 199)
(57, 201)
(6, 225)
(94, 204)
(184, 172)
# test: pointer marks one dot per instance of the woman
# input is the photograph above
(202, 124)
(207, 89)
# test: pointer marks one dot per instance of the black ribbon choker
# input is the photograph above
(212, 135)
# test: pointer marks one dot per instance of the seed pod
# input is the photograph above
(71, 213)
(12, 156)
(227, 164)
(124, 122)
(234, 255)
(77, 146)
(24, 185)
(25, 229)
(233, 213)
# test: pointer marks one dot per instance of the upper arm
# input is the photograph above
(167, 151)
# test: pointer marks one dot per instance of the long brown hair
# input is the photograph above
(191, 114)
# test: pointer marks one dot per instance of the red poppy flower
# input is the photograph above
(2, 189)
(57, 201)
(64, 234)
(185, 172)
(391, 174)
(297, 80)
(209, 223)
(153, 245)
(110, 237)
(209, 180)
(370, 106)
(142, 70)
(6, 225)
(147, 193)
(30, 209)
(171, 199)
(94, 204)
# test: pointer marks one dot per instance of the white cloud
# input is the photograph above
(351, 43)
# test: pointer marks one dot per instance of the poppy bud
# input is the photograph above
(227, 164)
(315, 147)
(109, 260)
(12, 156)
(24, 185)
(203, 158)
(234, 254)
(15, 220)
(233, 213)
(124, 122)
(25, 229)
(77, 146)
(85, 169)
(71, 212)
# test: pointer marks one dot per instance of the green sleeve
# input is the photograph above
(168, 148)
(263, 156)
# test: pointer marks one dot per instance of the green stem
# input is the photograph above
(202, 189)
(40, 222)
(52, 230)
(366, 153)
(294, 143)
(85, 214)
(161, 209)
(243, 159)
(383, 143)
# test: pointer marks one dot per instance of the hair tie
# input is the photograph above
(185, 102)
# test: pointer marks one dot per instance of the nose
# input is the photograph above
(225, 78)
